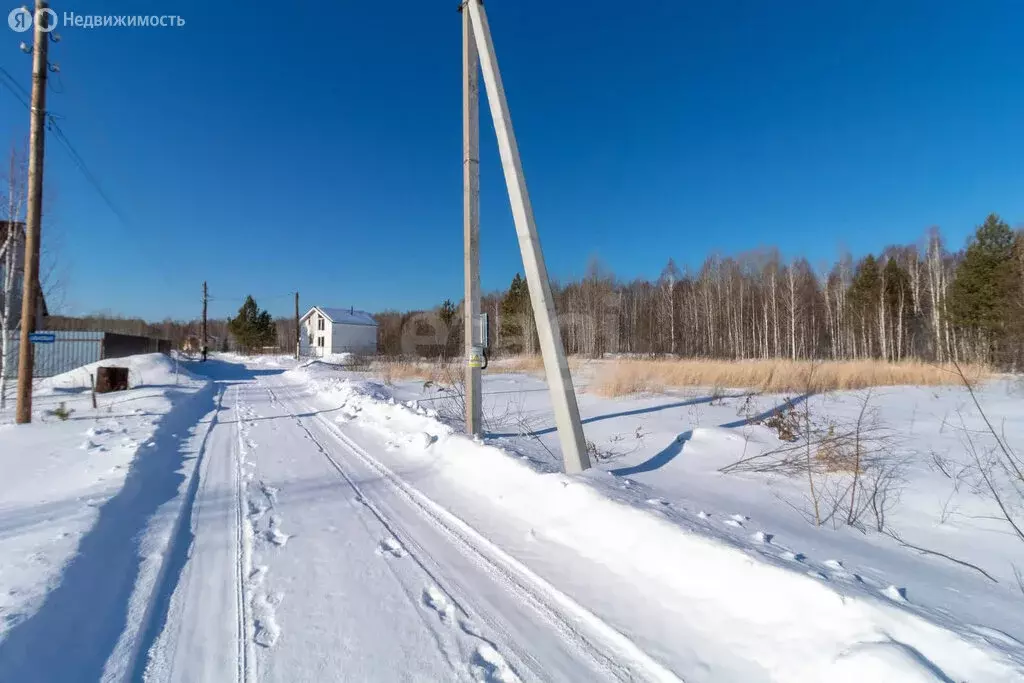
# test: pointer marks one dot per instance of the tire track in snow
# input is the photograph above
(603, 644)
(389, 545)
(484, 662)
(244, 562)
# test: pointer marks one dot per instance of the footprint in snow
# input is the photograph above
(267, 630)
(436, 600)
(658, 501)
(257, 575)
(489, 666)
(274, 533)
(256, 509)
(391, 547)
(736, 520)
(270, 492)
(762, 537)
(793, 557)
(838, 571)
(895, 594)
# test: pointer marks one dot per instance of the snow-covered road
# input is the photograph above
(265, 520)
(312, 561)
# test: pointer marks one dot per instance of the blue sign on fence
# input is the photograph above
(42, 337)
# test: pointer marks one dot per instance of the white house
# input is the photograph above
(338, 330)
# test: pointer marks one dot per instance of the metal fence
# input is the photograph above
(71, 350)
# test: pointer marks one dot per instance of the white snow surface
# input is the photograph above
(86, 508)
(754, 595)
(291, 522)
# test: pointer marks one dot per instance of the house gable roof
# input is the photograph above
(343, 316)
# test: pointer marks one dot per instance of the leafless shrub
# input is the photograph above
(747, 409)
(854, 470)
(784, 422)
(997, 466)
(946, 512)
(942, 465)
(619, 446)
(925, 551)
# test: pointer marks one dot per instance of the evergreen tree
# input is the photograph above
(865, 291)
(514, 305)
(987, 280)
(866, 286)
(446, 312)
(252, 328)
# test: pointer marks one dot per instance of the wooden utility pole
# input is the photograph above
(206, 298)
(471, 226)
(563, 397)
(298, 344)
(34, 212)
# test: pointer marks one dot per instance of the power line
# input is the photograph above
(19, 92)
(80, 162)
(16, 89)
(223, 297)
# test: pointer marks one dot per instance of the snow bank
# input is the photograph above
(731, 613)
(149, 369)
(58, 548)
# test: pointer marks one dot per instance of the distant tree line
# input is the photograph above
(917, 301)
(280, 334)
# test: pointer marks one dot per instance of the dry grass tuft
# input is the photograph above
(392, 371)
(832, 457)
(527, 365)
(624, 377)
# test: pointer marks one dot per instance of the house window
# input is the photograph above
(319, 323)
(319, 341)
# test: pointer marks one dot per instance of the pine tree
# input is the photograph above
(982, 295)
(446, 313)
(864, 297)
(514, 306)
(899, 306)
(252, 328)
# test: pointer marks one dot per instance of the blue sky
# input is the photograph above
(274, 149)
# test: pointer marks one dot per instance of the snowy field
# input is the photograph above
(253, 520)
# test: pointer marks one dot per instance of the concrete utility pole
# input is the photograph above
(471, 225)
(34, 212)
(206, 298)
(298, 344)
(563, 398)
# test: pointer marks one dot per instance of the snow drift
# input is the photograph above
(704, 606)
